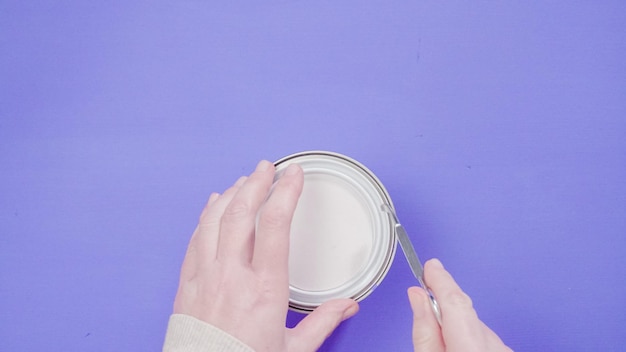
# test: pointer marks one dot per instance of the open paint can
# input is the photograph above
(341, 244)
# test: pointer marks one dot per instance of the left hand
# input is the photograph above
(235, 276)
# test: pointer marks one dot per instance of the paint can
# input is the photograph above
(341, 243)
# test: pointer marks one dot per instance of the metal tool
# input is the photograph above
(411, 257)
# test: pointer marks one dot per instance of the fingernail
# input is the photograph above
(213, 198)
(350, 311)
(241, 181)
(436, 262)
(263, 165)
(292, 170)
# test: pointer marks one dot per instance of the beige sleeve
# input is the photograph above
(188, 334)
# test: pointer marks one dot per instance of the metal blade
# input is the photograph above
(413, 259)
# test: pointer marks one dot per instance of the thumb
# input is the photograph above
(426, 331)
(313, 330)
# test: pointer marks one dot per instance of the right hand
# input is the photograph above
(461, 330)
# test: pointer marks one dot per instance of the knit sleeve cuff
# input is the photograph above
(188, 334)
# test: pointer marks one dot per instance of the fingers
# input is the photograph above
(207, 233)
(203, 220)
(236, 239)
(190, 262)
(311, 332)
(461, 328)
(426, 331)
(203, 243)
(212, 199)
(271, 249)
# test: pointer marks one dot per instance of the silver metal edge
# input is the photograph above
(382, 190)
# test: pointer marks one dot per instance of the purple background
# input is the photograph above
(499, 128)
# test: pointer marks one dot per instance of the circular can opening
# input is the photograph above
(341, 243)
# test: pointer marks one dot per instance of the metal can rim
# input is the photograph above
(390, 250)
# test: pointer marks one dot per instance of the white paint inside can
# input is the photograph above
(341, 243)
(331, 234)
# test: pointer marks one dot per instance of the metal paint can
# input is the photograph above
(341, 243)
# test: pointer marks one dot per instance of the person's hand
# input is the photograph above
(235, 276)
(460, 330)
